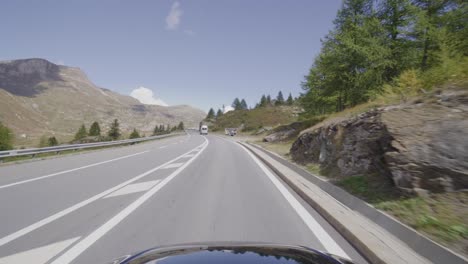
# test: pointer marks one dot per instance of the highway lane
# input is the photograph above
(36, 200)
(208, 189)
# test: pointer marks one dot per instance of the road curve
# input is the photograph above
(96, 206)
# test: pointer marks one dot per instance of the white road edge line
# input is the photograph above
(71, 170)
(47, 220)
(86, 242)
(327, 241)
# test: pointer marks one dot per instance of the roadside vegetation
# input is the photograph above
(265, 115)
(382, 53)
(6, 138)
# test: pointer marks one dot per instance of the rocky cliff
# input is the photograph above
(419, 146)
(38, 98)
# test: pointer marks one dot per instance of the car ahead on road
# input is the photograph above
(245, 253)
(204, 130)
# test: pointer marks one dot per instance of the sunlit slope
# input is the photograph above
(38, 97)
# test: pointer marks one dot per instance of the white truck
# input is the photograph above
(204, 130)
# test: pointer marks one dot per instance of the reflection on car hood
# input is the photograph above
(230, 253)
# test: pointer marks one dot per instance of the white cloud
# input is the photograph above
(228, 108)
(173, 18)
(146, 96)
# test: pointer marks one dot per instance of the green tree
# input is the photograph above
(6, 138)
(156, 130)
(236, 104)
(290, 100)
(243, 105)
(174, 128)
(211, 114)
(219, 113)
(397, 18)
(263, 101)
(279, 99)
(268, 100)
(134, 134)
(180, 126)
(95, 130)
(352, 62)
(82, 133)
(52, 141)
(429, 29)
(114, 131)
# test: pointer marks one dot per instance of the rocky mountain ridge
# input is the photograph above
(41, 98)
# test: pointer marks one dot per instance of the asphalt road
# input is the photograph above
(96, 206)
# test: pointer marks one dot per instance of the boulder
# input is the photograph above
(421, 146)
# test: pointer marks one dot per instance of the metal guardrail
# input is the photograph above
(34, 151)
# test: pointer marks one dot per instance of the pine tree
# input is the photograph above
(134, 134)
(219, 113)
(6, 138)
(95, 130)
(263, 101)
(429, 31)
(396, 17)
(211, 114)
(82, 133)
(268, 100)
(290, 100)
(279, 99)
(156, 130)
(236, 104)
(114, 131)
(180, 126)
(52, 141)
(243, 105)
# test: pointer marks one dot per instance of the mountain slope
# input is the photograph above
(40, 98)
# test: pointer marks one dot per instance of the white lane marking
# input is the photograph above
(86, 242)
(327, 241)
(163, 147)
(133, 188)
(71, 170)
(173, 165)
(47, 220)
(38, 255)
(188, 156)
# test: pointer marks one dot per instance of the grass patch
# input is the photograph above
(369, 188)
(313, 168)
(280, 148)
(443, 217)
(254, 119)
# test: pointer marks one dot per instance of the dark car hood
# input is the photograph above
(230, 253)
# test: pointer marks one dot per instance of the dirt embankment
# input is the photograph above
(420, 147)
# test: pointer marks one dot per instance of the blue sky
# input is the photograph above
(203, 53)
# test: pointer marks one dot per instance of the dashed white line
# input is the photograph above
(173, 165)
(163, 147)
(71, 170)
(81, 246)
(47, 220)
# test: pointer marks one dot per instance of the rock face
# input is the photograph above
(419, 146)
(288, 132)
(39, 98)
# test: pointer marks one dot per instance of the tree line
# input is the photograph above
(241, 104)
(83, 135)
(374, 43)
(114, 132)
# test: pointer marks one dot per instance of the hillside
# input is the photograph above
(254, 119)
(41, 98)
